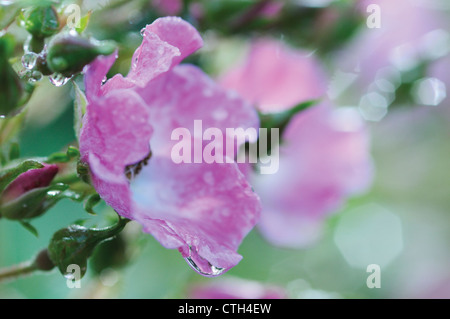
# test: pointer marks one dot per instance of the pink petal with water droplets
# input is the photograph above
(167, 41)
(204, 210)
(115, 134)
(96, 72)
(185, 94)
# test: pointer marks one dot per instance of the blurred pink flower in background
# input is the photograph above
(324, 156)
(168, 7)
(410, 31)
(272, 9)
(234, 288)
(324, 159)
(275, 77)
(204, 210)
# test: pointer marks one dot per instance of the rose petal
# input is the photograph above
(115, 134)
(167, 41)
(204, 210)
(185, 94)
(96, 72)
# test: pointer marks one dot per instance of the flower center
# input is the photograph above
(131, 171)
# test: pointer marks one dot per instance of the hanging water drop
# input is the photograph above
(202, 266)
(29, 60)
(58, 79)
(35, 76)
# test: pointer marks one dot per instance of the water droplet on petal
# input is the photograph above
(58, 79)
(29, 60)
(202, 266)
(35, 76)
(143, 32)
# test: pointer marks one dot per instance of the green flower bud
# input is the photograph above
(75, 244)
(68, 54)
(33, 203)
(41, 22)
(11, 88)
(111, 254)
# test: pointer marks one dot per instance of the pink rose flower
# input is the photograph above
(324, 157)
(203, 210)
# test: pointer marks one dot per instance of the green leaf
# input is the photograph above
(91, 202)
(84, 21)
(60, 157)
(30, 228)
(281, 119)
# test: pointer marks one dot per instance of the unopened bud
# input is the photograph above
(29, 195)
(41, 22)
(68, 54)
(75, 244)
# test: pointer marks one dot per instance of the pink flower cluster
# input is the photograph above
(205, 210)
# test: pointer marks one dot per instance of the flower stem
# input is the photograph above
(15, 272)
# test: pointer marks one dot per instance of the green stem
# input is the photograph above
(15, 272)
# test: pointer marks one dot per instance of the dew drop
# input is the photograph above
(143, 32)
(202, 266)
(35, 76)
(29, 60)
(58, 79)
